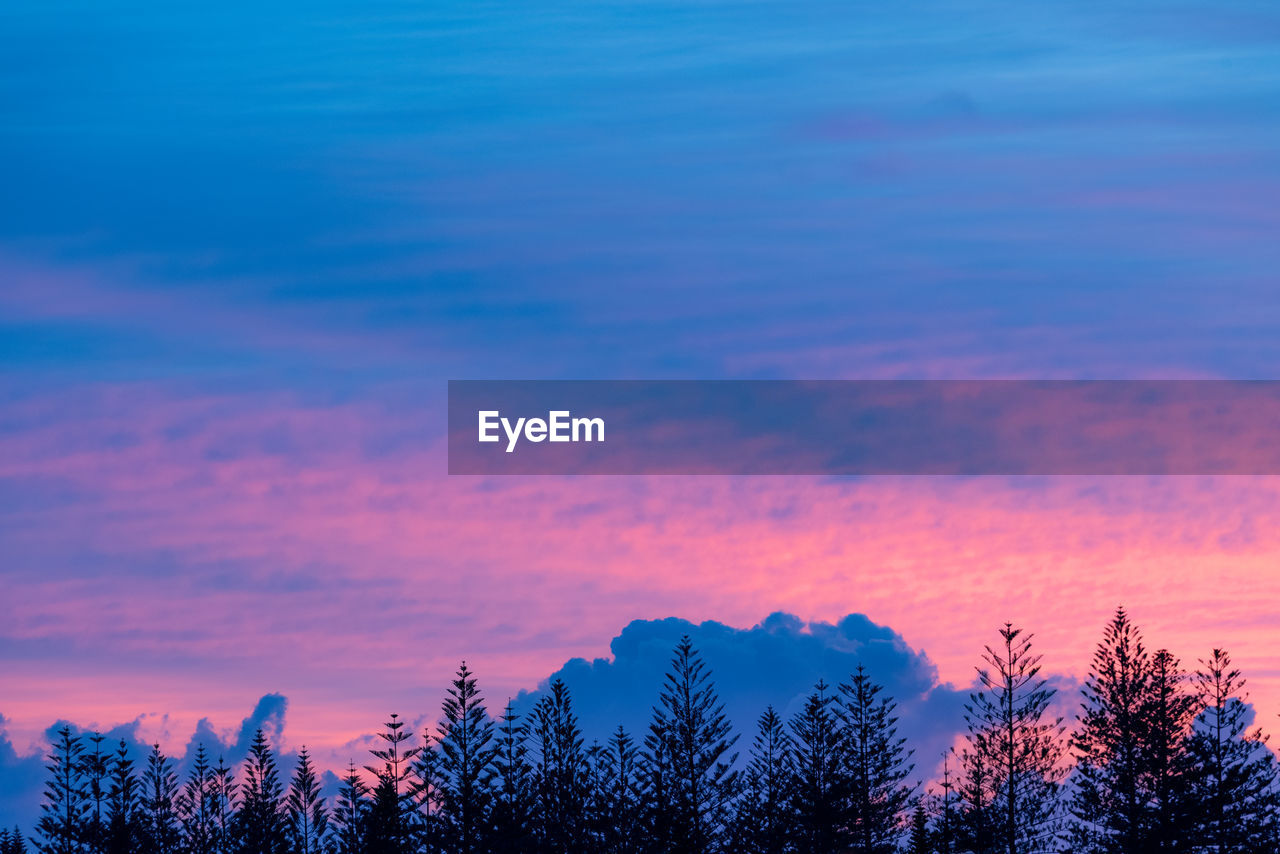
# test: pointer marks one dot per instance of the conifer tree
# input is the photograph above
(1021, 744)
(946, 807)
(920, 841)
(346, 830)
(124, 805)
(699, 743)
(1168, 716)
(426, 791)
(195, 806)
(764, 823)
(12, 842)
(820, 791)
(259, 826)
(1111, 800)
(465, 766)
(618, 797)
(1236, 798)
(160, 793)
(96, 771)
(976, 807)
(560, 773)
(514, 795)
(222, 804)
(308, 817)
(389, 827)
(61, 828)
(877, 764)
(657, 788)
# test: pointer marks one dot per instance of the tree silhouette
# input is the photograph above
(1111, 798)
(877, 764)
(617, 801)
(1236, 798)
(259, 826)
(346, 830)
(1019, 744)
(820, 789)
(61, 829)
(1168, 714)
(465, 766)
(222, 802)
(514, 797)
(124, 804)
(160, 794)
(196, 808)
(560, 773)
(308, 818)
(389, 825)
(96, 770)
(764, 823)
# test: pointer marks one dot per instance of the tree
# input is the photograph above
(1019, 744)
(222, 803)
(764, 823)
(1110, 798)
(617, 801)
(560, 773)
(703, 784)
(346, 831)
(124, 804)
(389, 822)
(1170, 710)
(1236, 799)
(877, 764)
(307, 816)
(514, 795)
(12, 842)
(160, 794)
(195, 806)
(820, 787)
(919, 842)
(259, 826)
(96, 770)
(465, 769)
(61, 829)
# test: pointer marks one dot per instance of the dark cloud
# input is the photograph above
(776, 662)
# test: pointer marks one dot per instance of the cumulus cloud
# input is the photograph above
(776, 662)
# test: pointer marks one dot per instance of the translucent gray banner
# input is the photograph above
(987, 427)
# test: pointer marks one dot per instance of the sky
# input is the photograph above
(242, 250)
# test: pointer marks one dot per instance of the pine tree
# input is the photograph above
(222, 805)
(514, 796)
(560, 773)
(820, 790)
(259, 826)
(948, 820)
(877, 764)
(1236, 798)
(1021, 745)
(764, 823)
(96, 771)
(160, 794)
(618, 796)
(346, 830)
(1168, 715)
(657, 786)
(699, 740)
(465, 769)
(426, 790)
(195, 807)
(12, 842)
(308, 818)
(920, 841)
(1111, 799)
(61, 829)
(976, 807)
(124, 806)
(389, 827)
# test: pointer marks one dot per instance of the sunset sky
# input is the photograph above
(242, 250)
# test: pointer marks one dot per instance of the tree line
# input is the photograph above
(1158, 760)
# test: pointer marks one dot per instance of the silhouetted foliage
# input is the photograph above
(1016, 745)
(1159, 767)
(259, 827)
